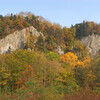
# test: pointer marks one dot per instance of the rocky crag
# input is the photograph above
(93, 43)
(17, 40)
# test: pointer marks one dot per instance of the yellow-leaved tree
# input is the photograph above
(72, 59)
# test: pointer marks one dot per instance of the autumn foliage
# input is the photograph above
(72, 59)
(38, 73)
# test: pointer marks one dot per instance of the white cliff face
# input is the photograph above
(17, 40)
(59, 50)
(93, 43)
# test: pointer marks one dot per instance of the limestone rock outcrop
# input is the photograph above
(93, 43)
(59, 50)
(17, 40)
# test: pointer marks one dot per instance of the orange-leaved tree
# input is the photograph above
(72, 59)
(26, 75)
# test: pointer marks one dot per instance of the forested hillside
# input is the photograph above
(38, 72)
(86, 28)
